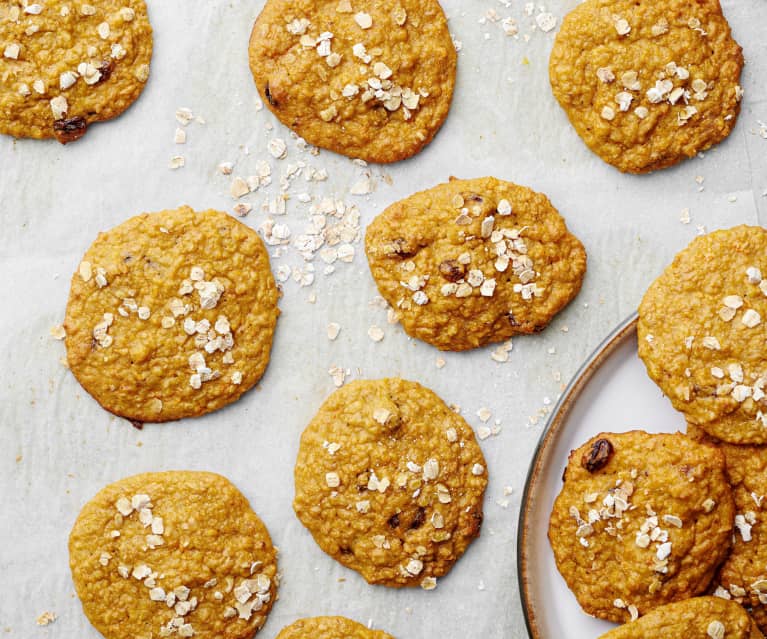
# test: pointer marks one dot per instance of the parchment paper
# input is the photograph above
(58, 448)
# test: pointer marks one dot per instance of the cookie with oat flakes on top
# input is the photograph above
(647, 83)
(365, 78)
(742, 576)
(390, 482)
(711, 360)
(171, 315)
(66, 66)
(472, 262)
(330, 628)
(697, 618)
(641, 520)
(173, 554)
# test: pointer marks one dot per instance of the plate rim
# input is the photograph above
(562, 409)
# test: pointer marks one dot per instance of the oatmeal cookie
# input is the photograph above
(365, 78)
(476, 261)
(698, 618)
(642, 520)
(390, 481)
(742, 576)
(647, 83)
(711, 360)
(177, 553)
(65, 65)
(171, 315)
(330, 628)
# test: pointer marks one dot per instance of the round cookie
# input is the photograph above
(476, 261)
(330, 628)
(742, 576)
(642, 520)
(647, 83)
(366, 78)
(390, 482)
(698, 618)
(67, 65)
(171, 315)
(177, 553)
(711, 361)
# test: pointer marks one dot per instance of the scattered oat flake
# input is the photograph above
(58, 332)
(375, 333)
(546, 21)
(333, 330)
(484, 414)
(46, 618)
(176, 162)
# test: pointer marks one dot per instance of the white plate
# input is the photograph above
(611, 392)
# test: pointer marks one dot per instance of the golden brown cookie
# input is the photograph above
(330, 628)
(171, 315)
(743, 575)
(642, 520)
(647, 83)
(366, 78)
(390, 481)
(67, 65)
(698, 618)
(173, 554)
(711, 360)
(476, 261)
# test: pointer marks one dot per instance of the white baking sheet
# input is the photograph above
(57, 447)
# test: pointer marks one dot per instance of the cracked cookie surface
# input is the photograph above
(369, 79)
(67, 65)
(390, 481)
(173, 554)
(472, 262)
(641, 520)
(171, 315)
(647, 83)
(711, 361)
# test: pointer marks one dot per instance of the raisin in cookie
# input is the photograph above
(390, 481)
(697, 618)
(742, 576)
(171, 315)
(365, 78)
(330, 628)
(711, 360)
(647, 83)
(642, 520)
(66, 65)
(173, 554)
(471, 262)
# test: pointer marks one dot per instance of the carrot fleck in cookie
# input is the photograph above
(171, 315)
(472, 262)
(173, 554)
(367, 79)
(647, 83)
(390, 481)
(642, 520)
(66, 65)
(711, 360)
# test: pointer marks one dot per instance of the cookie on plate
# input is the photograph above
(642, 520)
(743, 575)
(330, 628)
(647, 83)
(390, 481)
(476, 261)
(698, 618)
(67, 65)
(171, 315)
(711, 360)
(178, 553)
(367, 79)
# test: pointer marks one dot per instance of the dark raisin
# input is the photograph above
(420, 517)
(105, 69)
(269, 96)
(398, 248)
(137, 424)
(473, 197)
(512, 319)
(452, 270)
(598, 456)
(394, 521)
(69, 129)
